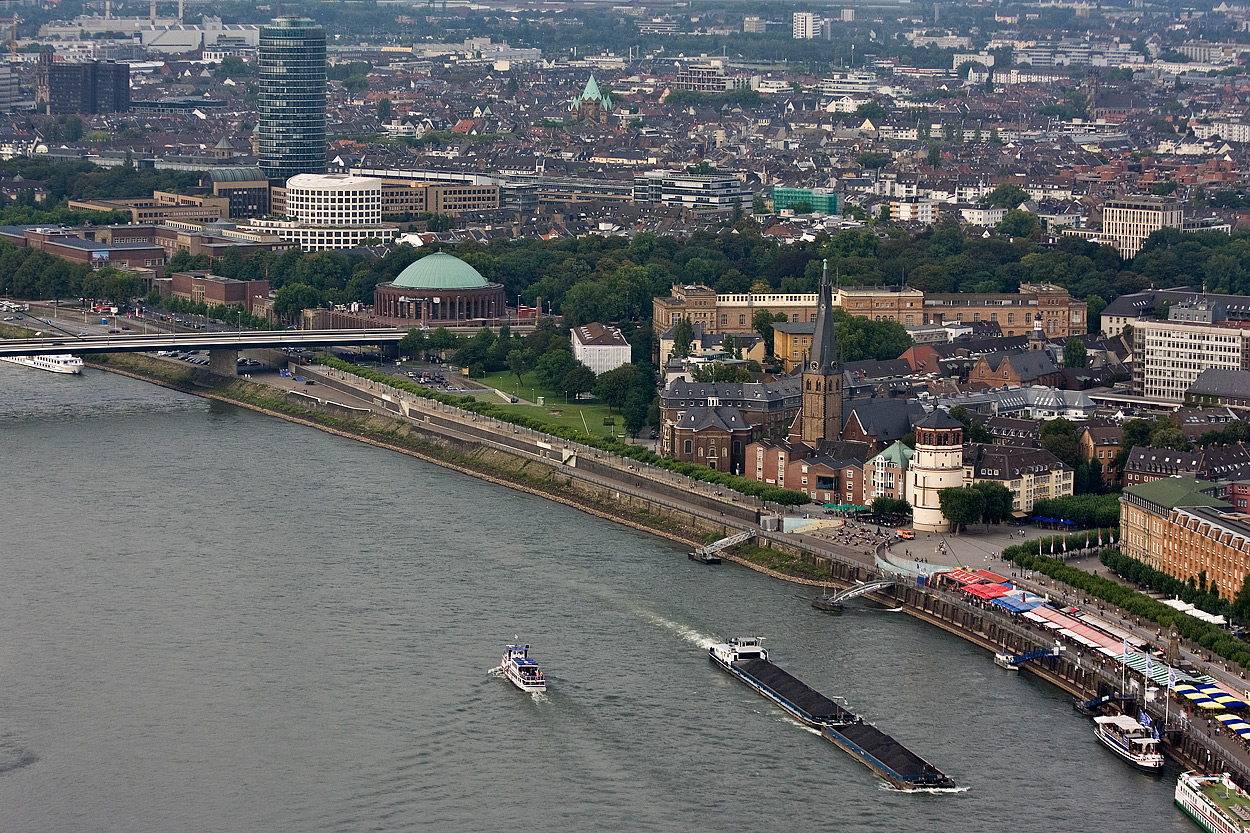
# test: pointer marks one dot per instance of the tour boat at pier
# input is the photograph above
(521, 669)
(1130, 740)
(1213, 801)
(50, 363)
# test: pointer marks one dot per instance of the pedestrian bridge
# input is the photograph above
(726, 543)
(859, 590)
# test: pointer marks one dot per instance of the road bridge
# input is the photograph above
(223, 347)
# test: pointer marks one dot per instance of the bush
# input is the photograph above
(742, 485)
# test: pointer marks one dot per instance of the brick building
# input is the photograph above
(1015, 313)
(823, 477)
(201, 287)
(731, 414)
(1145, 510)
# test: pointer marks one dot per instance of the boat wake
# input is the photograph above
(935, 790)
(888, 609)
(494, 671)
(539, 697)
(688, 634)
(13, 756)
(809, 729)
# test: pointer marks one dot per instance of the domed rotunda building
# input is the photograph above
(439, 290)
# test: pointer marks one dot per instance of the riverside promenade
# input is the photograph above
(868, 550)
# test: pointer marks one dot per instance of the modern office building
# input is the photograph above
(292, 67)
(86, 88)
(805, 200)
(694, 193)
(1128, 221)
(1168, 356)
(334, 199)
(806, 26)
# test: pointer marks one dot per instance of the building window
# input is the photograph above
(687, 446)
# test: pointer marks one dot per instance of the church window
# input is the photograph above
(687, 446)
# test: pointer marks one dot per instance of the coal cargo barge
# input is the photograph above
(746, 659)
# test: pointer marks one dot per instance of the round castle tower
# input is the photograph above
(938, 464)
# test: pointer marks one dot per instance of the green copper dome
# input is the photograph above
(439, 271)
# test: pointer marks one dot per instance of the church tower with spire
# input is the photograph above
(821, 413)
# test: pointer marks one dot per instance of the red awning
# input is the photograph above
(962, 576)
(987, 591)
(986, 574)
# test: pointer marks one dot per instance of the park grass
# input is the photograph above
(568, 416)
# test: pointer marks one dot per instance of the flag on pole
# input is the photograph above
(1111, 535)
(1052, 546)
(1144, 719)
(1125, 641)
(1100, 536)
(1171, 678)
(1039, 547)
(1149, 674)
(1087, 539)
(1064, 541)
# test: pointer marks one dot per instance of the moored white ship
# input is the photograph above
(1213, 801)
(519, 667)
(1129, 739)
(50, 363)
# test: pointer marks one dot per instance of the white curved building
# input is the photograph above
(937, 464)
(334, 200)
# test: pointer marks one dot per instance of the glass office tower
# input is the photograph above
(292, 98)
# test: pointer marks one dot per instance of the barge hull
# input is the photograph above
(793, 694)
(898, 765)
(887, 757)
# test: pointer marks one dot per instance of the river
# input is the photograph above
(212, 620)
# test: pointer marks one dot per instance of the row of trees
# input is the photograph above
(1209, 636)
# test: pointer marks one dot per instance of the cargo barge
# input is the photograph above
(747, 659)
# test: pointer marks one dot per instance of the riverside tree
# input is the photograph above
(961, 506)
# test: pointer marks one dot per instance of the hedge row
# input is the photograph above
(1212, 638)
(789, 497)
(1085, 510)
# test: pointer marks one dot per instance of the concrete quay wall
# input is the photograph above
(484, 448)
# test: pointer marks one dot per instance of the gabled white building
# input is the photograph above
(601, 348)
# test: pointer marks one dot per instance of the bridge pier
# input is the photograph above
(223, 361)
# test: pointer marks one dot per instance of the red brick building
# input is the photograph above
(201, 287)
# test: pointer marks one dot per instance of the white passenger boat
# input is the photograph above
(1130, 740)
(521, 669)
(1004, 661)
(50, 363)
(1213, 801)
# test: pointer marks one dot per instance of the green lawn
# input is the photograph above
(569, 416)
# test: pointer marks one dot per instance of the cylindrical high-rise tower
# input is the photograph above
(292, 127)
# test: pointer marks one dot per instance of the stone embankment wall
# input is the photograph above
(618, 490)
